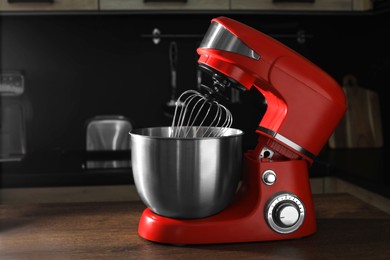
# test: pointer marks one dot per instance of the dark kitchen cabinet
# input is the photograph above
(318, 5)
(239, 5)
(184, 5)
(48, 5)
(141, 5)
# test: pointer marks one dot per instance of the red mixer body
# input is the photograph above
(304, 107)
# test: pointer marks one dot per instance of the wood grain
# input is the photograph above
(362, 126)
(347, 229)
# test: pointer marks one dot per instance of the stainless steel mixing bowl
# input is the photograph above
(185, 177)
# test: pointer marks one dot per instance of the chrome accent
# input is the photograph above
(285, 213)
(286, 141)
(11, 83)
(108, 133)
(156, 36)
(109, 137)
(219, 38)
(269, 177)
(266, 153)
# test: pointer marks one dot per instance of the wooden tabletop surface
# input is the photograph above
(348, 228)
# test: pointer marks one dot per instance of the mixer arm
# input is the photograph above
(305, 105)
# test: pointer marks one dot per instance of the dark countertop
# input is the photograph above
(348, 228)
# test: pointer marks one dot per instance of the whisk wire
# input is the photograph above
(190, 120)
(197, 116)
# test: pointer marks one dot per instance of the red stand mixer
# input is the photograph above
(304, 106)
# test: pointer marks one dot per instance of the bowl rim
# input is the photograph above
(138, 132)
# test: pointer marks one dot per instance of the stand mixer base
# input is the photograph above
(260, 211)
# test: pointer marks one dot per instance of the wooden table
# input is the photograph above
(348, 228)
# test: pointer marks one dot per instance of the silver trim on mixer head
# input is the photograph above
(219, 38)
(286, 141)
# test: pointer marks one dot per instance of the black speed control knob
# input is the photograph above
(285, 213)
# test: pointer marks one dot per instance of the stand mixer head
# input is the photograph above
(304, 104)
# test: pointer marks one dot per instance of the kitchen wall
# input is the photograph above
(79, 66)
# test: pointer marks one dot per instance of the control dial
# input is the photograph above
(285, 213)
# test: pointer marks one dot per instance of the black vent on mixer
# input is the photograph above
(220, 84)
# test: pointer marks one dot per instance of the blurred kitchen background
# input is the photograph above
(68, 66)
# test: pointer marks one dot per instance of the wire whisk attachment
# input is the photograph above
(197, 116)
